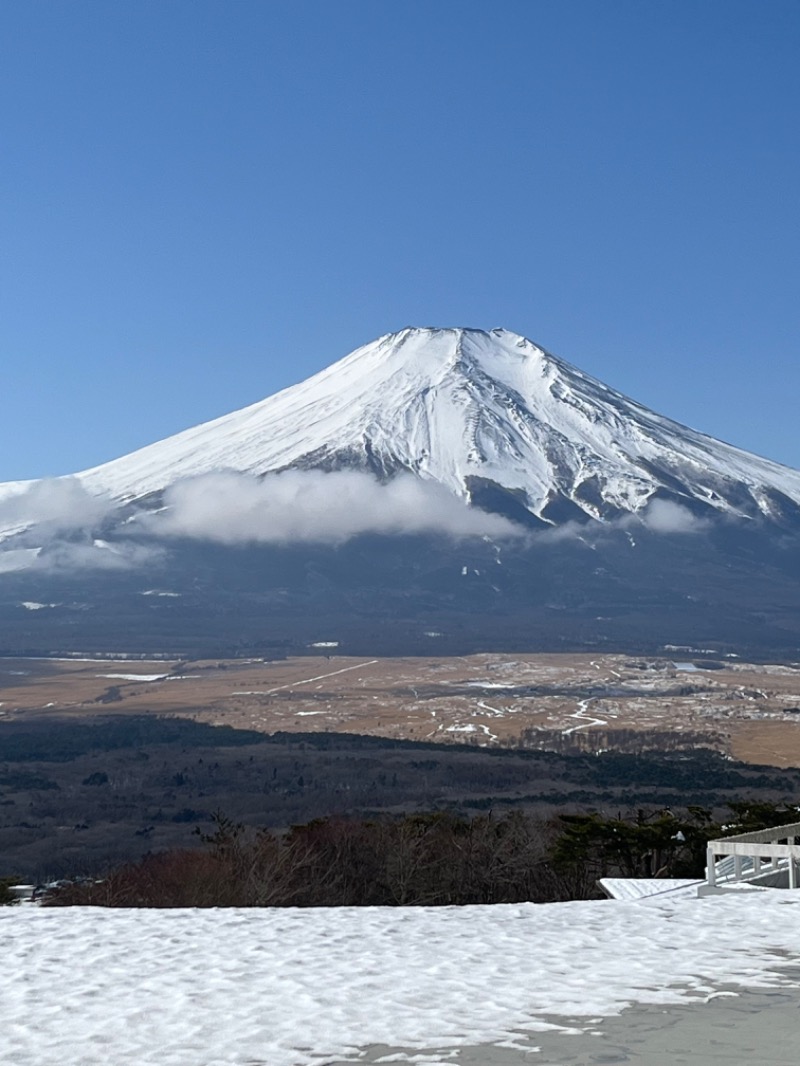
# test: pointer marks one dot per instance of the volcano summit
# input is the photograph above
(450, 481)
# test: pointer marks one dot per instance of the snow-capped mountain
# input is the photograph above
(476, 412)
(231, 536)
(490, 416)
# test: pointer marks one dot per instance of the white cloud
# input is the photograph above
(63, 555)
(60, 505)
(55, 521)
(62, 518)
(659, 516)
(665, 516)
(296, 506)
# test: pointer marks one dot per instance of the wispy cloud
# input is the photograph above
(63, 522)
(659, 516)
(63, 556)
(55, 505)
(56, 522)
(314, 506)
(666, 516)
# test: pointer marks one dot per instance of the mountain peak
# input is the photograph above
(421, 357)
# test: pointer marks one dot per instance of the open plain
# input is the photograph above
(567, 702)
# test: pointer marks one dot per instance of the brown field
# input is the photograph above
(750, 711)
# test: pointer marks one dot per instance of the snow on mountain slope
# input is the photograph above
(468, 408)
(480, 413)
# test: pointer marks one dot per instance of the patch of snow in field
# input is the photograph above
(136, 677)
(690, 649)
(764, 668)
(300, 987)
(108, 660)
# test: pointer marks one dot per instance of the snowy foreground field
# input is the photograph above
(86, 987)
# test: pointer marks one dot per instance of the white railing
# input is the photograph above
(22, 893)
(765, 858)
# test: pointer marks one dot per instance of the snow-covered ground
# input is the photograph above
(87, 987)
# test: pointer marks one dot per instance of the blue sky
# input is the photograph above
(203, 202)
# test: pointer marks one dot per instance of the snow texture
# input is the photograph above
(84, 987)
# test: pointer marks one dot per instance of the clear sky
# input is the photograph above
(204, 201)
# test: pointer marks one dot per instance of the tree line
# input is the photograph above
(435, 859)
